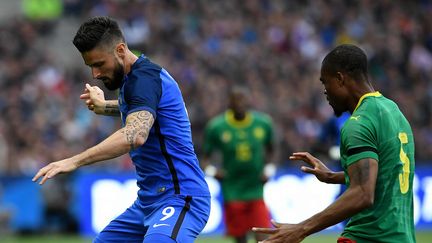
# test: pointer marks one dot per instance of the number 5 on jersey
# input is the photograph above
(404, 176)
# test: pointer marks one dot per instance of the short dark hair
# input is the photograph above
(100, 30)
(347, 58)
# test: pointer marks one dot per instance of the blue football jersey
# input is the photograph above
(166, 164)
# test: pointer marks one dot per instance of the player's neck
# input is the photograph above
(358, 94)
(130, 59)
(239, 116)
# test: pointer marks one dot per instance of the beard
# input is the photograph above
(116, 81)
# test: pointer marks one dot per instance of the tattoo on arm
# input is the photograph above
(111, 109)
(137, 128)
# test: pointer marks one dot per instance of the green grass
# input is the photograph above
(45, 239)
(422, 237)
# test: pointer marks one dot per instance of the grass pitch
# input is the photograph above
(422, 237)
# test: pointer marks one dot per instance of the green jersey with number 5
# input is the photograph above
(242, 145)
(377, 129)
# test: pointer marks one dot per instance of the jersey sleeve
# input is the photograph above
(210, 138)
(269, 130)
(143, 92)
(359, 140)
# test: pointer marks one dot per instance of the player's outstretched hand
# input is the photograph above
(316, 168)
(281, 233)
(54, 168)
(94, 98)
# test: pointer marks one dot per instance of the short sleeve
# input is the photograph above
(359, 141)
(269, 130)
(143, 91)
(210, 136)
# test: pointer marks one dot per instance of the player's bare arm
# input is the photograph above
(111, 108)
(358, 196)
(137, 128)
(133, 135)
(95, 101)
(318, 168)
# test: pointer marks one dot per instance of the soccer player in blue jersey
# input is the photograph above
(173, 201)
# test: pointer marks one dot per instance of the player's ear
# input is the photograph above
(121, 50)
(340, 78)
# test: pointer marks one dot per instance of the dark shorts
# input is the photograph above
(181, 218)
(241, 216)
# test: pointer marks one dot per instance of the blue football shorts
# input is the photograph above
(177, 218)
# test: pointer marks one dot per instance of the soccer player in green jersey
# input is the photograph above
(377, 156)
(245, 140)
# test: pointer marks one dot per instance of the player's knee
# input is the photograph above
(158, 238)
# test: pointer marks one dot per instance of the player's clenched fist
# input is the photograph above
(54, 168)
(94, 98)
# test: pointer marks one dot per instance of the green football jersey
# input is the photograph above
(242, 145)
(377, 129)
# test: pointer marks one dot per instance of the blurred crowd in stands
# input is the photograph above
(274, 47)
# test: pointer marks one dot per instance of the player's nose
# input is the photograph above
(96, 73)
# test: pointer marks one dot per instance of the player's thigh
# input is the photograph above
(181, 218)
(241, 216)
(158, 238)
(259, 215)
(236, 218)
(127, 227)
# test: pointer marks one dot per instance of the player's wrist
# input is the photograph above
(306, 228)
(334, 177)
(75, 161)
(100, 107)
(330, 177)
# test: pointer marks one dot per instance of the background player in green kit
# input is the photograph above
(245, 140)
(377, 155)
